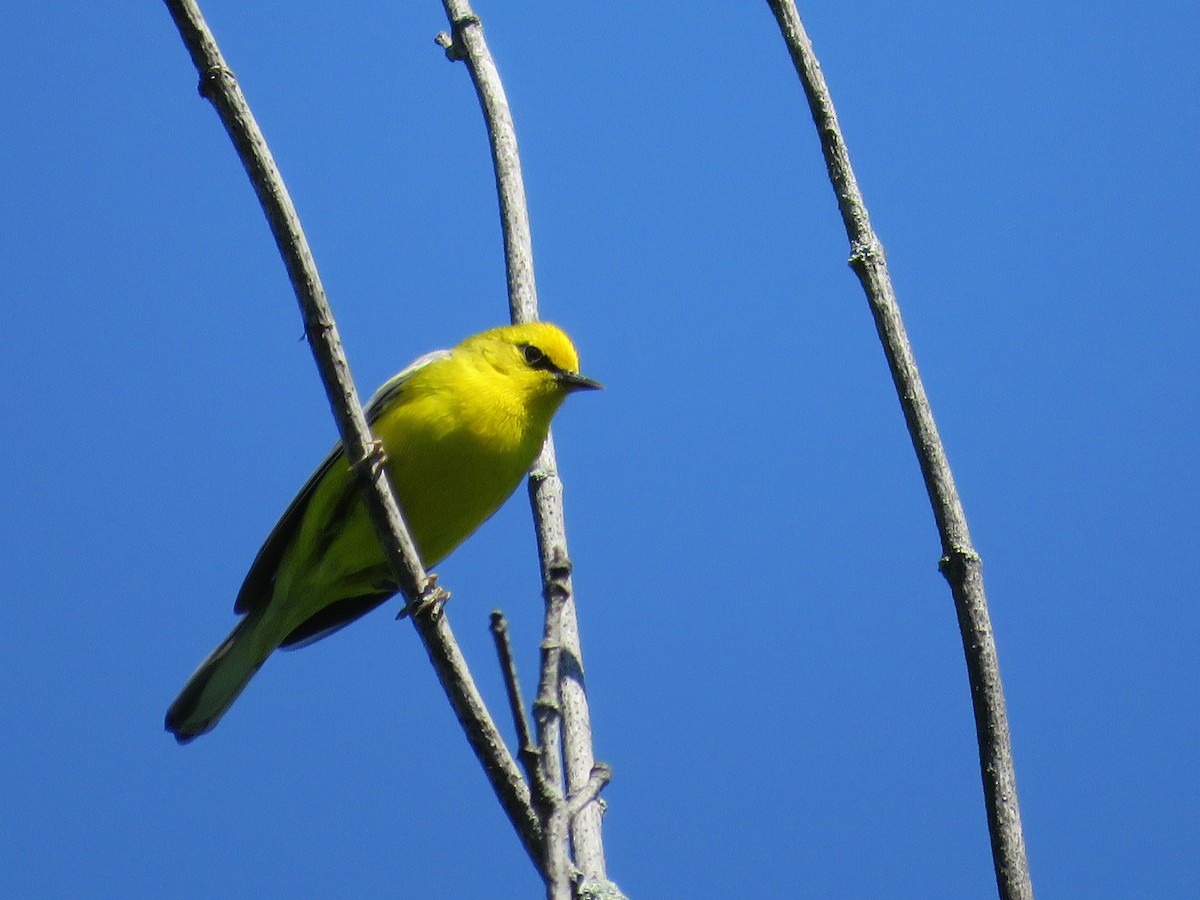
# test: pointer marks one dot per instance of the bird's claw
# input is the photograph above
(429, 601)
(374, 458)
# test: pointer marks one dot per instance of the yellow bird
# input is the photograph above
(460, 429)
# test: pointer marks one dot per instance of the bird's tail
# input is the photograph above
(218, 681)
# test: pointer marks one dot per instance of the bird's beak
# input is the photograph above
(573, 381)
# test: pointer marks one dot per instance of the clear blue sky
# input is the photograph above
(774, 665)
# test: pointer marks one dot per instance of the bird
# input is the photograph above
(459, 429)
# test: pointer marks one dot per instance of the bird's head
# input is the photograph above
(537, 359)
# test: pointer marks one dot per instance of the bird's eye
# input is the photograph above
(536, 357)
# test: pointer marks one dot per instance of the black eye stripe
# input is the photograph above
(537, 358)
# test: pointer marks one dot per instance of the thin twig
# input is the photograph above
(960, 564)
(218, 85)
(512, 685)
(545, 487)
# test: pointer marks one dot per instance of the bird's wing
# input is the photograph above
(259, 581)
(256, 588)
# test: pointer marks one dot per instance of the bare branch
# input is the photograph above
(545, 487)
(466, 43)
(960, 564)
(546, 496)
(498, 764)
(547, 713)
(218, 85)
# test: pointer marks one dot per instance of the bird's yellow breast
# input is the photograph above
(457, 448)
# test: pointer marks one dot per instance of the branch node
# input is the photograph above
(599, 889)
(210, 80)
(316, 328)
(549, 707)
(453, 43)
(454, 51)
(462, 23)
(559, 566)
(600, 776)
(955, 564)
(531, 756)
(866, 251)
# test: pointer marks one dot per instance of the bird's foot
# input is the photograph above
(429, 602)
(374, 459)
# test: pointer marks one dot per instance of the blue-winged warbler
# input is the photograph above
(460, 428)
